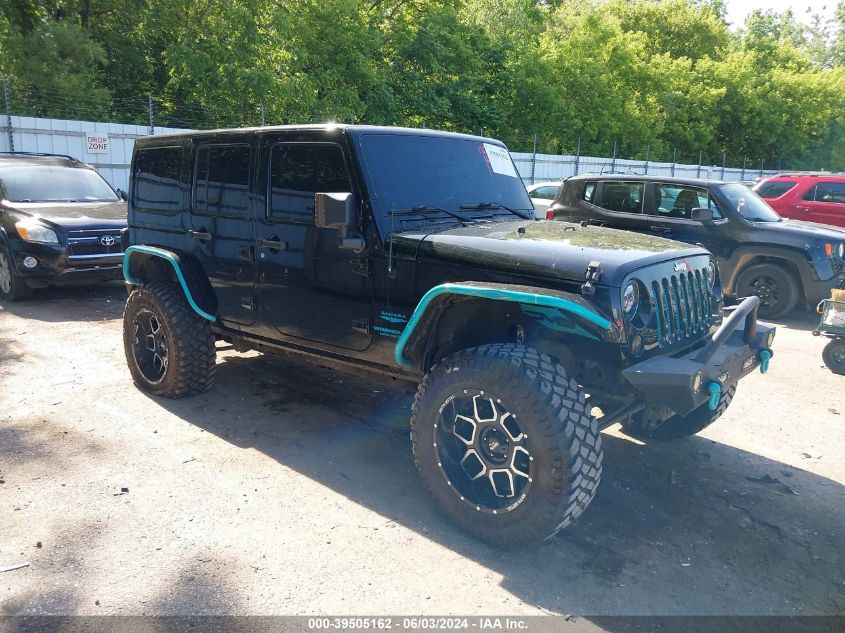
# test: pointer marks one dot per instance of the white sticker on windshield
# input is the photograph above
(499, 160)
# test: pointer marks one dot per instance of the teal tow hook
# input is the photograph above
(765, 357)
(715, 389)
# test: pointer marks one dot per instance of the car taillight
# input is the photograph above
(550, 215)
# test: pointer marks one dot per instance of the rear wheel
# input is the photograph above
(834, 356)
(777, 288)
(12, 286)
(505, 442)
(169, 348)
(646, 427)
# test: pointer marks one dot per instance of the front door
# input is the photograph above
(220, 231)
(309, 289)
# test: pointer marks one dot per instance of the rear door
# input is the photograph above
(220, 231)
(825, 203)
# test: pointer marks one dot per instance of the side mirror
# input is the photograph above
(334, 211)
(337, 211)
(122, 194)
(700, 214)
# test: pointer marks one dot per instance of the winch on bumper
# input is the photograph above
(696, 378)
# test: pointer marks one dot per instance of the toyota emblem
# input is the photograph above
(107, 240)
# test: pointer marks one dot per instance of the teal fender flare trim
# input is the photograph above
(170, 257)
(497, 294)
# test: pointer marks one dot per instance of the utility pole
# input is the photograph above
(534, 159)
(744, 165)
(700, 158)
(674, 160)
(577, 155)
(724, 159)
(647, 152)
(7, 98)
(613, 163)
(150, 108)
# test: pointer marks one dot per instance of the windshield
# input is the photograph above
(434, 172)
(53, 183)
(748, 204)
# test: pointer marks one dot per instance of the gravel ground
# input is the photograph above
(290, 489)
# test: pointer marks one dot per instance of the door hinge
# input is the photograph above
(361, 325)
(592, 277)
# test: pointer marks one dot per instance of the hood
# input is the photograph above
(73, 215)
(545, 248)
(808, 230)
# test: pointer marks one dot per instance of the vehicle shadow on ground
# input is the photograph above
(71, 303)
(750, 534)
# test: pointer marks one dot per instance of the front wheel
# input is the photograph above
(169, 348)
(12, 286)
(777, 288)
(834, 356)
(504, 440)
(645, 427)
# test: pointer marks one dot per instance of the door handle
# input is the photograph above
(660, 229)
(203, 236)
(272, 242)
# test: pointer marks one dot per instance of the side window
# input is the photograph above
(625, 197)
(298, 171)
(775, 188)
(810, 196)
(156, 179)
(830, 192)
(678, 201)
(221, 180)
(545, 193)
(589, 191)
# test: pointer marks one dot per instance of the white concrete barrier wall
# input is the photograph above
(59, 136)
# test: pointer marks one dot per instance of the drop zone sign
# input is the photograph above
(97, 143)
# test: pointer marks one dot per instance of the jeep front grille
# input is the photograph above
(682, 306)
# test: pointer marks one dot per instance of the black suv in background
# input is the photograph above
(416, 253)
(784, 262)
(60, 223)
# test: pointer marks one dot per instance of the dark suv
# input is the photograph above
(60, 224)
(784, 262)
(416, 254)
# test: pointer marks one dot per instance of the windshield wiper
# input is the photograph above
(496, 205)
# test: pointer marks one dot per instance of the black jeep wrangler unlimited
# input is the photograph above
(416, 253)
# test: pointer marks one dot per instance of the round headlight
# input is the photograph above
(711, 275)
(630, 299)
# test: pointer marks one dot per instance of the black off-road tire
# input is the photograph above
(565, 445)
(834, 356)
(679, 426)
(780, 290)
(190, 349)
(13, 287)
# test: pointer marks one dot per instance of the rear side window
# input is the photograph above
(830, 192)
(298, 171)
(221, 185)
(156, 179)
(545, 193)
(775, 188)
(678, 201)
(589, 191)
(625, 197)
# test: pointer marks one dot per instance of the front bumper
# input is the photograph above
(686, 382)
(56, 268)
(815, 291)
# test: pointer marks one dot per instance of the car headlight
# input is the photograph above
(631, 299)
(710, 272)
(841, 250)
(34, 232)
